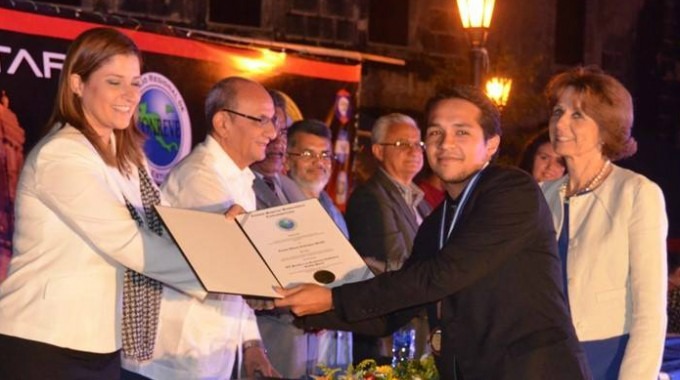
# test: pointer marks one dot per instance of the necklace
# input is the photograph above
(593, 182)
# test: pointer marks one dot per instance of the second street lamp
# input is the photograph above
(476, 18)
(498, 90)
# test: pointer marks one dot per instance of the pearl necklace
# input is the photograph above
(593, 182)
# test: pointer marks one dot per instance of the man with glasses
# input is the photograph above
(292, 351)
(383, 214)
(202, 339)
(309, 164)
(272, 188)
(485, 260)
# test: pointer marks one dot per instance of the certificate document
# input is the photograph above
(302, 244)
(279, 246)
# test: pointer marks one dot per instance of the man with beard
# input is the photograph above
(309, 164)
(485, 262)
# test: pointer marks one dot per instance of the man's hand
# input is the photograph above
(305, 299)
(234, 211)
(256, 363)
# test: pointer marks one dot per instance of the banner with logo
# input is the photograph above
(178, 72)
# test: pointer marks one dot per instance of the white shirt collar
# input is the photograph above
(225, 164)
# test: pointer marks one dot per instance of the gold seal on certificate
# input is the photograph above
(324, 277)
(280, 246)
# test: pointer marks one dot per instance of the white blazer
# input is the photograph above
(616, 265)
(200, 339)
(73, 239)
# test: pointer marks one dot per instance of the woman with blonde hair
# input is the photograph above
(84, 213)
(611, 225)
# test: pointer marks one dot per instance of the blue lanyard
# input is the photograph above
(463, 199)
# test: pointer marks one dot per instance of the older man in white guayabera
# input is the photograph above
(211, 339)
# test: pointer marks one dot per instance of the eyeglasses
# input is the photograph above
(262, 120)
(405, 145)
(308, 155)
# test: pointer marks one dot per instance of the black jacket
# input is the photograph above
(504, 315)
(380, 223)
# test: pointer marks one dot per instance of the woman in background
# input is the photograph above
(612, 227)
(539, 159)
(83, 215)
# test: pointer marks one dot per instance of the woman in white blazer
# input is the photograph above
(60, 306)
(611, 225)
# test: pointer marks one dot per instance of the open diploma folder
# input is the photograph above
(279, 246)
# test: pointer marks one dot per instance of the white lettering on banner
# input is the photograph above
(50, 61)
(23, 55)
(6, 50)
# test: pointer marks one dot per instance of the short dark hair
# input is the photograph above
(490, 119)
(277, 98)
(606, 101)
(526, 158)
(311, 126)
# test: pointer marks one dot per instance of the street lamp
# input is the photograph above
(476, 18)
(498, 90)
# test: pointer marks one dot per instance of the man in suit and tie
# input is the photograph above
(383, 214)
(271, 187)
(292, 351)
(486, 257)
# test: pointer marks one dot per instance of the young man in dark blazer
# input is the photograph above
(485, 261)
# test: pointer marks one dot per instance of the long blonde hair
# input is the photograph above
(90, 50)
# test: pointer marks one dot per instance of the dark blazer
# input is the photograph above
(498, 276)
(266, 197)
(380, 223)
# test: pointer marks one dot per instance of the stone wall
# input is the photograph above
(436, 51)
(634, 40)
